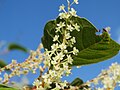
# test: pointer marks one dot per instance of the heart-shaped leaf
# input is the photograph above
(92, 48)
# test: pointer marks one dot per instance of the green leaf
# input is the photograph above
(5, 87)
(49, 32)
(14, 46)
(2, 64)
(77, 82)
(92, 48)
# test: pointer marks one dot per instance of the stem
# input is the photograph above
(72, 3)
(68, 5)
(41, 72)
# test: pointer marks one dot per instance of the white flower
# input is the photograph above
(36, 83)
(47, 82)
(61, 24)
(62, 7)
(73, 40)
(54, 46)
(59, 56)
(57, 29)
(64, 15)
(107, 29)
(69, 59)
(68, 72)
(69, 27)
(45, 76)
(75, 51)
(52, 73)
(62, 46)
(57, 87)
(67, 36)
(6, 76)
(76, 1)
(73, 12)
(63, 84)
(55, 38)
(77, 27)
(54, 61)
(14, 62)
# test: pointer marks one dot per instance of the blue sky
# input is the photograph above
(22, 21)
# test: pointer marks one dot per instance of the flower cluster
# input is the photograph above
(56, 62)
(32, 63)
(58, 59)
(108, 79)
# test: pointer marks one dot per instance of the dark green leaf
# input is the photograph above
(49, 32)
(14, 46)
(77, 82)
(92, 48)
(2, 64)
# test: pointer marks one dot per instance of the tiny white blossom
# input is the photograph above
(73, 40)
(75, 51)
(54, 61)
(69, 27)
(60, 55)
(77, 27)
(62, 46)
(54, 46)
(61, 24)
(52, 73)
(45, 76)
(68, 72)
(64, 15)
(73, 12)
(64, 84)
(107, 29)
(36, 83)
(62, 7)
(6, 76)
(69, 59)
(47, 82)
(76, 1)
(67, 35)
(57, 87)
(55, 38)
(47, 59)
(57, 67)
(57, 29)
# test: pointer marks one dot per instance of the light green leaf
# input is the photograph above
(5, 87)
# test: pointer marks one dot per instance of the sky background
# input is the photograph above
(23, 21)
